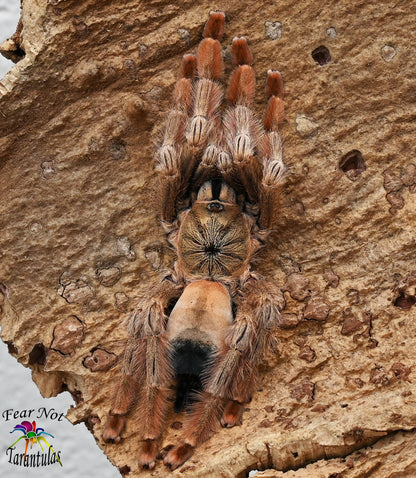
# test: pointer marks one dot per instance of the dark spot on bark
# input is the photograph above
(405, 292)
(307, 354)
(266, 423)
(77, 396)
(400, 371)
(12, 348)
(351, 324)
(90, 421)
(352, 164)
(4, 289)
(38, 354)
(321, 55)
(404, 302)
(117, 149)
(306, 388)
(100, 360)
(124, 470)
(379, 376)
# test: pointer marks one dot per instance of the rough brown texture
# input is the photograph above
(79, 240)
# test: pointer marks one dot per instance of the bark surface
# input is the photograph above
(80, 241)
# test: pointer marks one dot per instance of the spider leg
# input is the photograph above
(232, 378)
(53, 451)
(207, 94)
(243, 132)
(273, 166)
(172, 160)
(232, 414)
(20, 438)
(192, 119)
(146, 367)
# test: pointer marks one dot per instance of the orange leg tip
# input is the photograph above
(214, 28)
(232, 414)
(274, 85)
(274, 113)
(113, 428)
(178, 455)
(209, 58)
(147, 455)
(242, 85)
(241, 52)
(188, 66)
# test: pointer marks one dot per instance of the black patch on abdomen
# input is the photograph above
(189, 359)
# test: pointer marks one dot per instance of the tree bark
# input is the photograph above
(80, 241)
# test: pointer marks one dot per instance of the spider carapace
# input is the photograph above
(220, 176)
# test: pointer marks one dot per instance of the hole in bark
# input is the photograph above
(352, 164)
(124, 470)
(321, 55)
(295, 454)
(90, 421)
(15, 53)
(19, 53)
(404, 301)
(12, 348)
(38, 354)
(99, 360)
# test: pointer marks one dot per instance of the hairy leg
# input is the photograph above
(273, 166)
(172, 159)
(207, 92)
(146, 367)
(242, 131)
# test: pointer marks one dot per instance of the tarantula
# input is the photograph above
(220, 180)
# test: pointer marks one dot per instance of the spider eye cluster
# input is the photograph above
(215, 206)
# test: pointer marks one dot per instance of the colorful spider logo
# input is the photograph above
(33, 435)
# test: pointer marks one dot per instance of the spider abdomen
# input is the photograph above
(202, 315)
(196, 332)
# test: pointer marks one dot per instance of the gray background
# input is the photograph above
(80, 455)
